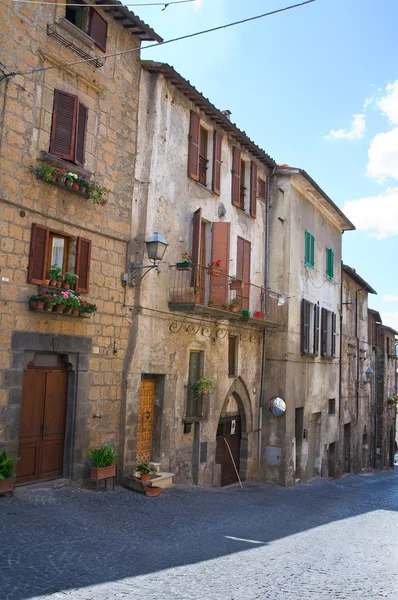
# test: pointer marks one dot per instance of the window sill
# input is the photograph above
(194, 419)
(63, 186)
(71, 167)
(204, 187)
(76, 32)
(309, 265)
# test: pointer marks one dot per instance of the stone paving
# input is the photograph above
(331, 540)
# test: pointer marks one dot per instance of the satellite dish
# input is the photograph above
(277, 406)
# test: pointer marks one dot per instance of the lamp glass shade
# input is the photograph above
(369, 373)
(156, 246)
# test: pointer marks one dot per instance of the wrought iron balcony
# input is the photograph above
(202, 169)
(196, 289)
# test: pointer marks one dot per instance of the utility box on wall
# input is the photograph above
(272, 455)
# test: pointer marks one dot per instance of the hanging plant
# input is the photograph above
(203, 386)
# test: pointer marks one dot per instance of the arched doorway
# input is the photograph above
(229, 439)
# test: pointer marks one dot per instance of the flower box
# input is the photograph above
(184, 266)
(99, 473)
(7, 485)
(214, 271)
(236, 284)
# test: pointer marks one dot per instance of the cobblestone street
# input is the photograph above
(328, 540)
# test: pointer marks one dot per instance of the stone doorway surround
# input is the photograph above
(75, 351)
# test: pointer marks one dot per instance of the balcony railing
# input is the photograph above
(242, 193)
(202, 169)
(197, 289)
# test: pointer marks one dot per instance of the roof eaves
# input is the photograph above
(121, 11)
(204, 104)
(354, 275)
(386, 327)
(376, 315)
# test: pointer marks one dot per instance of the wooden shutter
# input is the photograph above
(305, 326)
(312, 250)
(262, 194)
(333, 348)
(324, 332)
(243, 259)
(235, 186)
(83, 254)
(98, 29)
(38, 254)
(253, 189)
(316, 328)
(217, 148)
(82, 113)
(193, 146)
(219, 286)
(64, 125)
(195, 253)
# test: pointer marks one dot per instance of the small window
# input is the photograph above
(261, 189)
(195, 404)
(309, 249)
(332, 406)
(232, 355)
(203, 141)
(328, 333)
(90, 21)
(78, 15)
(58, 251)
(329, 263)
(309, 327)
(68, 130)
(242, 185)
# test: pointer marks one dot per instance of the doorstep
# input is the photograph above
(52, 483)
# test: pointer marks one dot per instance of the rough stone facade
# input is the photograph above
(94, 349)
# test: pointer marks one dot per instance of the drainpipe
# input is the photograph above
(266, 283)
(341, 351)
(357, 341)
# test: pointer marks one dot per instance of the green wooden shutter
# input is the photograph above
(329, 263)
(309, 249)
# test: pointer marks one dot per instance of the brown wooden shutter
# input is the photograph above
(64, 125)
(235, 186)
(243, 259)
(324, 332)
(305, 326)
(193, 146)
(333, 348)
(197, 268)
(38, 254)
(217, 148)
(83, 254)
(82, 113)
(219, 286)
(253, 189)
(98, 29)
(316, 328)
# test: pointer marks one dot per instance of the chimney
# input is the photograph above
(226, 113)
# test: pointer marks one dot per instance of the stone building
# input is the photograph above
(62, 381)
(202, 184)
(357, 401)
(382, 341)
(302, 360)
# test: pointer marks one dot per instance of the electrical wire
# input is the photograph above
(143, 4)
(177, 39)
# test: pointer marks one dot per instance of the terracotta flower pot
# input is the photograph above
(152, 490)
(48, 307)
(145, 476)
(68, 310)
(69, 183)
(66, 286)
(75, 185)
(6, 485)
(75, 312)
(59, 284)
(197, 298)
(61, 179)
(53, 283)
(60, 308)
(234, 308)
(236, 285)
(39, 305)
(46, 282)
(214, 271)
(83, 188)
(102, 472)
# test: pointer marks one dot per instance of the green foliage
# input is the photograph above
(46, 171)
(235, 301)
(392, 400)
(145, 467)
(97, 193)
(54, 273)
(202, 385)
(6, 465)
(104, 456)
(71, 278)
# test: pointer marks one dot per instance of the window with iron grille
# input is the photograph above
(329, 263)
(332, 406)
(90, 21)
(328, 333)
(203, 141)
(309, 249)
(195, 403)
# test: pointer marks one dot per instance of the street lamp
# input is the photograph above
(156, 247)
(369, 374)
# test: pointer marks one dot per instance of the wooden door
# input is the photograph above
(312, 445)
(42, 425)
(229, 430)
(145, 420)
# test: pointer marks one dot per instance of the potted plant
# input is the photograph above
(70, 280)
(75, 304)
(49, 302)
(84, 182)
(197, 293)
(392, 400)
(186, 262)
(39, 301)
(145, 469)
(97, 193)
(47, 171)
(69, 179)
(225, 305)
(203, 386)
(234, 307)
(210, 302)
(104, 462)
(259, 315)
(87, 309)
(245, 313)
(214, 268)
(60, 302)
(53, 274)
(236, 283)
(7, 465)
(61, 176)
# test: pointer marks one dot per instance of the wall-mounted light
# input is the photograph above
(369, 374)
(156, 247)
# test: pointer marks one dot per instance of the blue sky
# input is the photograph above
(314, 87)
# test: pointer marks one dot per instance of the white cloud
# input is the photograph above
(383, 156)
(390, 298)
(197, 4)
(389, 103)
(356, 132)
(368, 102)
(377, 214)
(390, 319)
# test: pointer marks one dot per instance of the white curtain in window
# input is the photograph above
(57, 252)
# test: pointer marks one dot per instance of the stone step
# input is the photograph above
(162, 479)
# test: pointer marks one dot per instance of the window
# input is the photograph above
(332, 406)
(261, 189)
(90, 21)
(195, 404)
(68, 131)
(203, 140)
(232, 355)
(243, 259)
(48, 248)
(242, 189)
(309, 249)
(329, 263)
(328, 333)
(309, 327)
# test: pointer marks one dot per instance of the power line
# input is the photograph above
(177, 39)
(165, 4)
